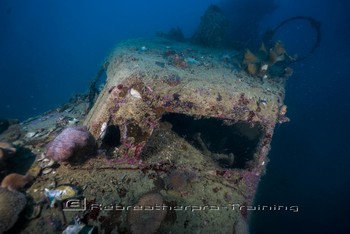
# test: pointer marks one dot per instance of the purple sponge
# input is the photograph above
(71, 143)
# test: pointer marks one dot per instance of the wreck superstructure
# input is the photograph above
(176, 124)
(156, 80)
(157, 85)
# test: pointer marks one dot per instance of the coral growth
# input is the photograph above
(251, 63)
(277, 53)
(15, 182)
(71, 143)
(11, 204)
(252, 69)
(144, 219)
(249, 57)
(282, 118)
(283, 110)
(177, 181)
(175, 58)
(265, 63)
(179, 61)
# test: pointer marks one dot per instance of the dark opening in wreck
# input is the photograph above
(112, 137)
(229, 145)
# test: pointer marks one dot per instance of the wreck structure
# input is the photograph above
(179, 129)
(194, 108)
(176, 140)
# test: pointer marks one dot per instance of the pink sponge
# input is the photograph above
(71, 143)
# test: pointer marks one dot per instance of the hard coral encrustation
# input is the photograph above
(72, 143)
(11, 204)
(16, 182)
(144, 219)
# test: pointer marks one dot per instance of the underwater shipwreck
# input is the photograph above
(176, 141)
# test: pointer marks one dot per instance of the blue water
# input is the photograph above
(50, 50)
